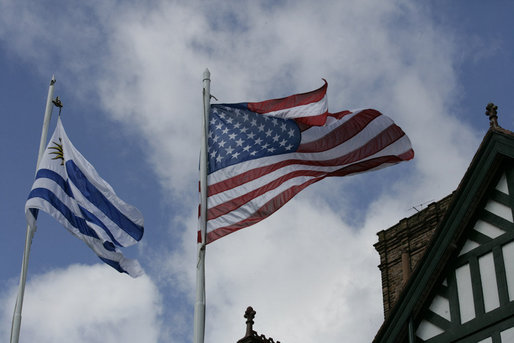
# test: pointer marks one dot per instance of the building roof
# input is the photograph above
(496, 149)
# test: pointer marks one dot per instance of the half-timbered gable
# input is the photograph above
(462, 289)
(475, 301)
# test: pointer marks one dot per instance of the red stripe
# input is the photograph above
(281, 199)
(305, 123)
(288, 102)
(342, 133)
(360, 167)
(256, 173)
(318, 120)
(378, 143)
(341, 114)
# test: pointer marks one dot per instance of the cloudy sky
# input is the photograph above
(130, 76)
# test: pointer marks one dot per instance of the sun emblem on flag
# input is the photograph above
(58, 151)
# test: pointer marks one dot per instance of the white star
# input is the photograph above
(229, 150)
(239, 142)
(269, 132)
(275, 138)
(291, 133)
(222, 143)
(219, 158)
(232, 136)
(235, 155)
(261, 127)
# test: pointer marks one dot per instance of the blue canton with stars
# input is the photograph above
(237, 134)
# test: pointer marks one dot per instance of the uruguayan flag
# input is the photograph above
(68, 188)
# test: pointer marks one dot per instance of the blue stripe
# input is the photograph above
(101, 202)
(114, 264)
(58, 179)
(75, 221)
(90, 217)
(109, 246)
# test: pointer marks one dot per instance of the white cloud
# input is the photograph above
(310, 270)
(86, 304)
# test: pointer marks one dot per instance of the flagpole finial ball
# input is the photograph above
(492, 113)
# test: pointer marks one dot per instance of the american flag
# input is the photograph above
(260, 155)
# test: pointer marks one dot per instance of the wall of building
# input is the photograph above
(402, 246)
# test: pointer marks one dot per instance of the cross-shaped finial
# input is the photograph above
(249, 315)
(491, 112)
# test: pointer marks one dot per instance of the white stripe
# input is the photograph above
(56, 189)
(132, 267)
(308, 110)
(45, 206)
(99, 231)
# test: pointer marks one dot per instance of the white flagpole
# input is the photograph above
(16, 321)
(199, 319)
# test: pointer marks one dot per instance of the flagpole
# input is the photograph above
(199, 319)
(16, 321)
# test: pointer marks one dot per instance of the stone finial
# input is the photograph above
(249, 315)
(491, 112)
